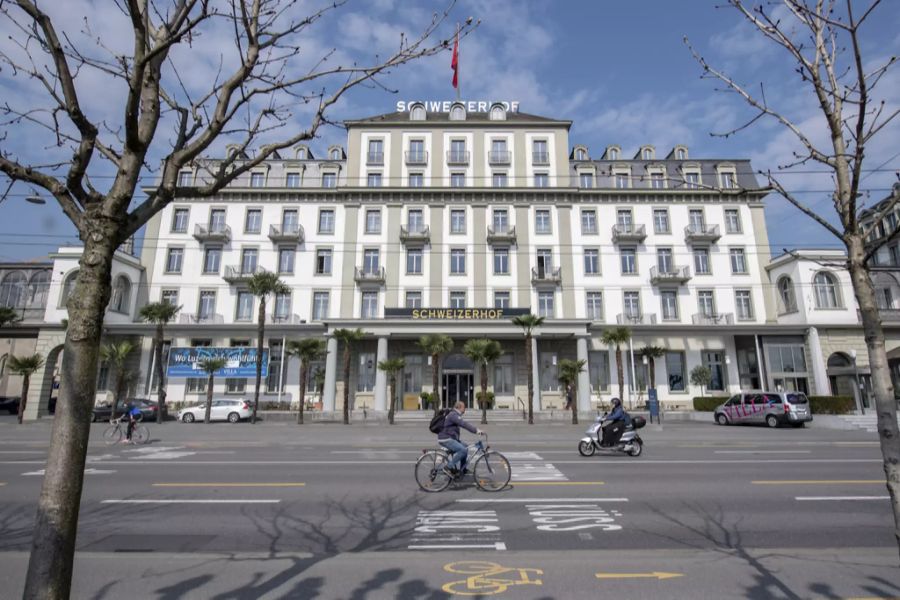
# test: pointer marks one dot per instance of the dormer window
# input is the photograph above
(727, 177)
(457, 113)
(336, 154)
(300, 153)
(580, 154)
(498, 113)
(257, 179)
(613, 154)
(647, 153)
(185, 178)
(417, 113)
(681, 154)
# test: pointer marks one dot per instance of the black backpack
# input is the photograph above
(437, 421)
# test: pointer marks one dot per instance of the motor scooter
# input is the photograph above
(630, 443)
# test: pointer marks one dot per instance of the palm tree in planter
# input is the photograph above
(319, 380)
(116, 354)
(652, 353)
(392, 367)
(210, 366)
(160, 314)
(616, 337)
(26, 367)
(8, 316)
(435, 345)
(348, 337)
(483, 352)
(568, 376)
(529, 323)
(262, 285)
(308, 351)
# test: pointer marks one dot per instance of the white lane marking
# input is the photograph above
(762, 452)
(850, 498)
(114, 501)
(21, 451)
(160, 452)
(448, 529)
(86, 472)
(494, 546)
(536, 500)
(529, 466)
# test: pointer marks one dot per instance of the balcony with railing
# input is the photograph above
(506, 235)
(457, 157)
(286, 319)
(374, 158)
(499, 157)
(639, 319)
(677, 275)
(217, 233)
(198, 318)
(702, 233)
(369, 276)
(415, 235)
(540, 158)
(241, 274)
(629, 234)
(286, 233)
(416, 157)
(887, 315)
(713, 319)
(546, 275)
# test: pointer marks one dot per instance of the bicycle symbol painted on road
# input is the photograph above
(487, 578)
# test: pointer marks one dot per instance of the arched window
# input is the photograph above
(68, 288)
(336, 154)
(839, 360)
(457, 113)
(786, 295)
(681, 153)
(613, 154)
(38, 288)
(417, 113)
(12, 290)
(498, 113)
(121, 293)
(826, 290)
(647, 154)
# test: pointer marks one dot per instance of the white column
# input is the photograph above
(329, 390)
(820, 376)
(381, 376)
(536, 375)
(584, 378)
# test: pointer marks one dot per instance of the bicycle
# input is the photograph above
(114, 433)
(490, 468)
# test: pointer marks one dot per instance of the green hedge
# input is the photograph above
(708, 403)
(832, 405)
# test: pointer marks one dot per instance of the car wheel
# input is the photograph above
(188, 417)
(233, 417)
(772, 421)
(721, 419)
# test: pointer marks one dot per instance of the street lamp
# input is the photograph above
(859, 403)
(35, 198)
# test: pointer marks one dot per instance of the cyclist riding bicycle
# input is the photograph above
(133, 415)
(449, 438)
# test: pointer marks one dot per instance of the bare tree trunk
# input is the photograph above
(160, 372)
(573, 402)
(652, 382)
(207, 418)
(392, 399)
(346, 383)
(484, 398)
(530, 368)
(25, 385)
(304, 375)
(885, 404)
(56, 522)
(260, 335)
(621, 373)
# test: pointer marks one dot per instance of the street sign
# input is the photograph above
(653, 404)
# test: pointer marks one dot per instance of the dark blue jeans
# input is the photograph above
(458, 453)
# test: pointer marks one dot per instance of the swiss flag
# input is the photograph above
(454, 62)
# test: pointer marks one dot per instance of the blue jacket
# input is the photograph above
(619, 414)
(452, 422)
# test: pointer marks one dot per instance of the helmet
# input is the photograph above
(616, 402)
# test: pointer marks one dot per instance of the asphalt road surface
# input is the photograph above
(332, 511)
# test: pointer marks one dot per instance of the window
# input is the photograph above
(884, 298)
(370, 261)
(286, 259)
(661, 220)
(631, 304)
(621, 180)
(234, 385)
(369, 305)
(417, 152)
(373, 180)
(728, 181)
(376, 152)
(217, 220)
(457, 113)
(415, 221)
(894, 254)
(498, 153)
(594, 304)
(249, 260)
(290, 221)
(206, 307)
(500, 218)
(320, 306)
(275, 370)
(195, 385)
(580, 154)
(695, 220)
(586, 180)
(366, 380)
(664, 260)
(629, 261)
(503, 375)
(539, 154)
(282, 308)
(549, 372)
(588, 222)
(625, 220)
(212, 259)
(257, 179)
(417, 113)
(544, 261)
(414, 299)
(501, 299)
(174, 258)
(326, 221)
(669, 304)
(591, 261)
(253, 221)
(329, 180)
(541, 180)
(692, 180)
(498, 113)
(373, 220)
(647, 154)
(414, 261)
(499, 180)
(825, 288)
(121, 294)
(598, 370)
(12, 290)
(457, 299)
(681, 154)
(457, 221)
(38, 290)
(545, 305)
(457, 180)
(701, 261)
(542, 221)
(292, 180)
(738, 260)
(416, 180)
(657, 181)
(244, 310)
(458, 152)
(675, 371)
(744, 305)
(69, 285)
(706, 303)
(501, 261)
(715, 363)
(323, 261)
(180, 220)
(185, 178)
(786, 295)
(169, 296)
(457, 261)
(732, 221)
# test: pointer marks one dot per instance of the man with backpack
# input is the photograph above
(448, 437)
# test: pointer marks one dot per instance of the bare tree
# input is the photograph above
(261, 84)
(823, 41)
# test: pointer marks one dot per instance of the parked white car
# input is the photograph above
(229, 410)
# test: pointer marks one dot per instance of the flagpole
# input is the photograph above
(457, 62)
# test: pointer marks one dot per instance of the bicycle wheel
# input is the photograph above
(140, 435)
(492, 472)
(112, 435)
(430, 473)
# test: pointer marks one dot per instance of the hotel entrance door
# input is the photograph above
(458, 387)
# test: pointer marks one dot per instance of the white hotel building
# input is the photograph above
(484, 210)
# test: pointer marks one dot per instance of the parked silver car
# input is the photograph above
(229, 410)
(771, 408)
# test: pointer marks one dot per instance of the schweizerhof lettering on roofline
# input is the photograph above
(444, 105)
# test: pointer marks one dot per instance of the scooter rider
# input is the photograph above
(616, 421)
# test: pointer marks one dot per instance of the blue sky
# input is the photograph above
(618, 69)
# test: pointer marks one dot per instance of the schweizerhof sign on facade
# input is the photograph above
(444, 105)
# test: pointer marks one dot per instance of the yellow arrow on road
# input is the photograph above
(653, 575)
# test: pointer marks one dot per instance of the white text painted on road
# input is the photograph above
(573, 517)
(456, 529)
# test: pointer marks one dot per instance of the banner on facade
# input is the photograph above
(239, 362)
(455, 314)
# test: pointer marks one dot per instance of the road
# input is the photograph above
(332, 511)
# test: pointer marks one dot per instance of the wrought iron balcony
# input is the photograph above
(416, 158)
(286, 233)
(201, 318)
(501, 236)
(417, 235)
(639, 319)
(375, 158)
(675, 275)
(546, 275)
(457, 157)
(369, 276)
(499, 157)
(540, 158)
(630, 234)
(702, 233)
(713, 319)
(221, 233)
(239, 274)
(291, 319)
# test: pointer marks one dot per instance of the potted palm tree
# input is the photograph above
(435, 345)
(26, 367)
(117, 354)
(392, 367)
(210, 366)
(262, 285)
(483, 352)
(568, 376)
(616, 337)
(529, 323)
(160, 314)
(308, 351)
(349, 337)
